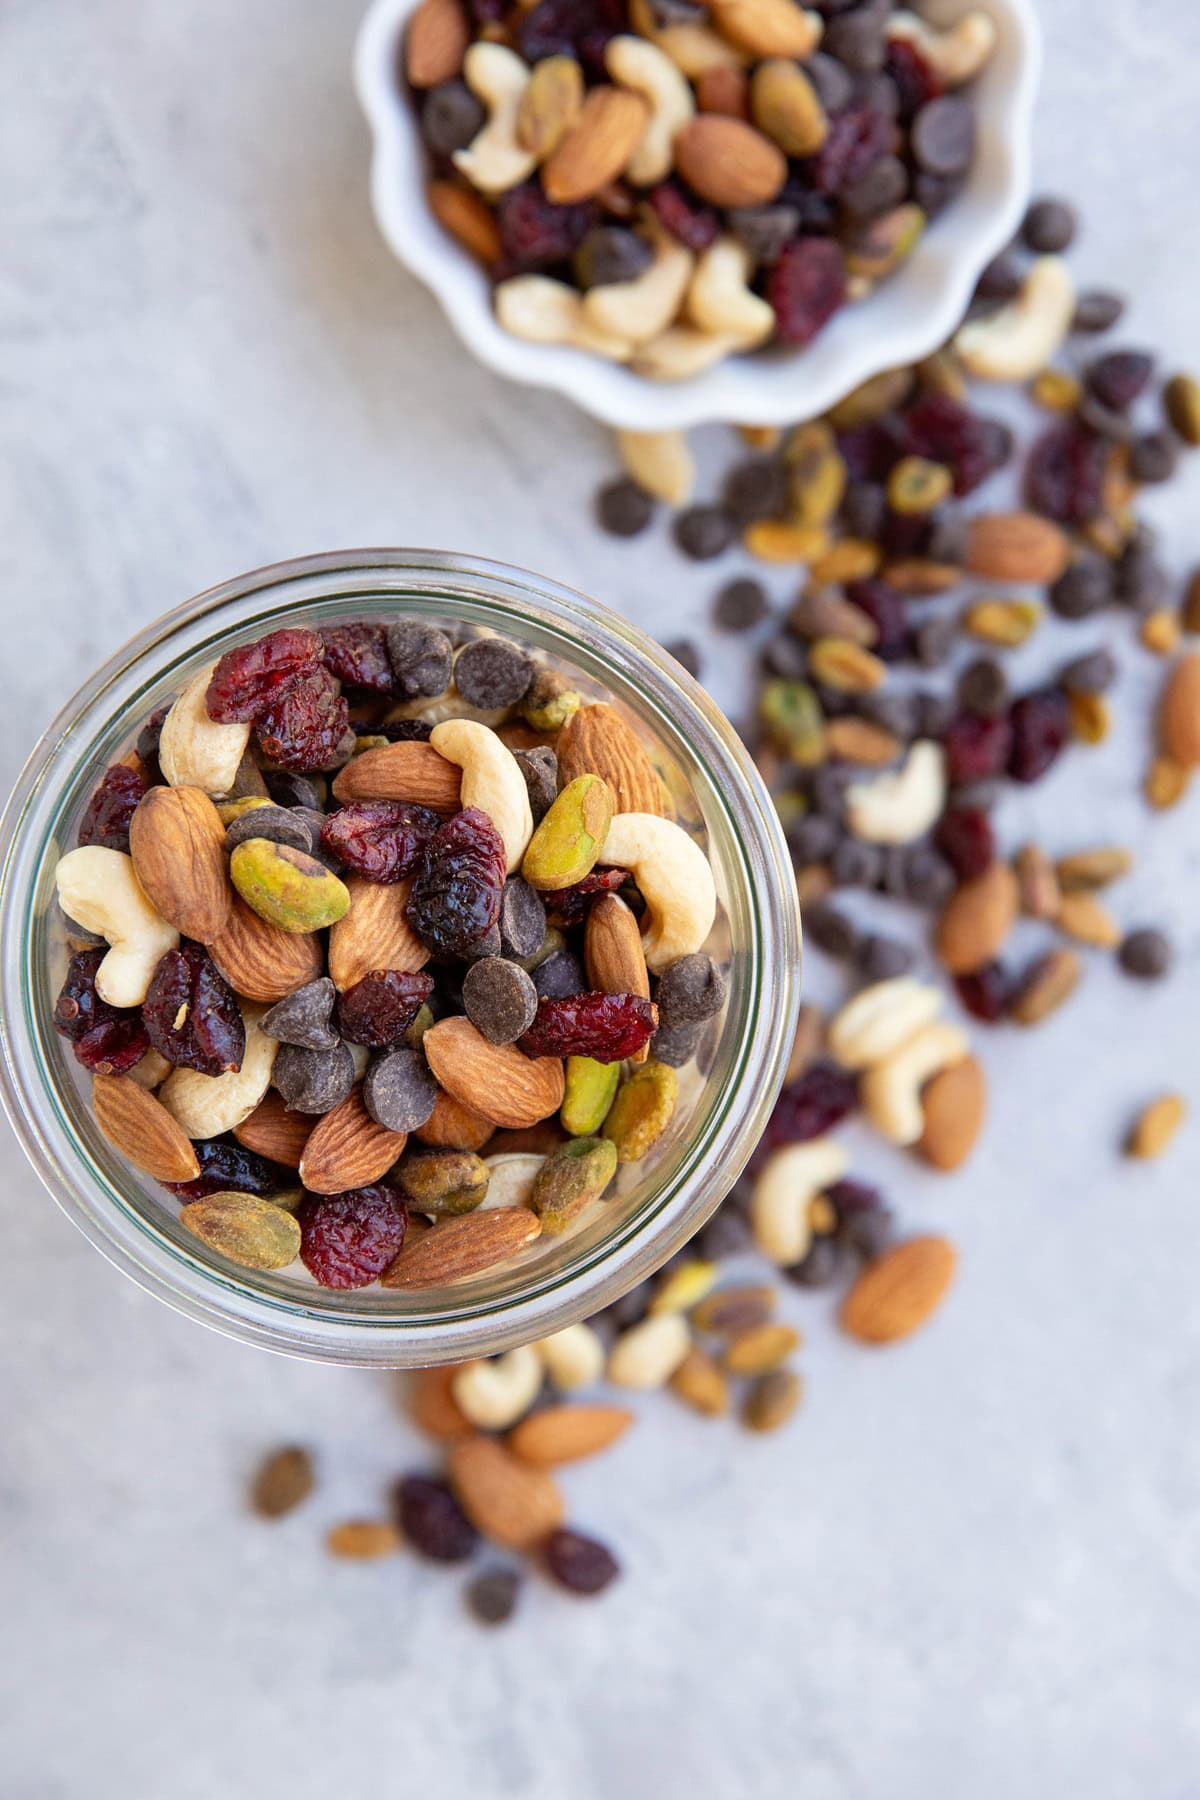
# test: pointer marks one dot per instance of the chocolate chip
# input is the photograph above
(451, 117)
(882, 958)
(1104, 421)
(422, 659)
(934, 193)
(740, 605)
(832, 80)
(934, 638)
(755, 489)
(313, 1081)
(305, 1018)
(763, 231)
(827, 789)
(500, 999)
(1145, 953)
(924, 877)
(522, 918)
(623, 509)
(812, 839)
(278, 823)
(492, 1596)
(1085, 588)
(1090, 674)
(933, 714)
(492, 672)
(690, 991)
(559, 976)
(1154, 457)
(856, 864)
(864, 510)
(676, 1045)
(484, 947)
(540, 769)
(610, 253)
(1097, 310)
(785, 656)
(287, 789)
(829, 1261)
(703, 532)
(831, 931)
(949, 531)
(1050, 226)
(686, 655)
(858, 40)
(1002, 280)
(1142, 580)
(983, 688)
(894, 712)
(884, 186)
(1120, 378)
(398, 1091)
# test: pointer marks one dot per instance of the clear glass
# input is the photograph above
(659, 1204)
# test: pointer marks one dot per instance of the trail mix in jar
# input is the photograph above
(385, 955)
(665, 183)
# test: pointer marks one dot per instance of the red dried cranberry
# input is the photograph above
(246, 678)
(976, 748)
(148, 736)
(1041, 728)
(347, 1240)
(917, 81)
(107, 1040)
(886, 609)
(108, 812)
(404, 731)
(966, 840)
(985, 993)
(303, 726)
(558, 27)
(943, 430)
(192, 1015)
(806, 287)
(695, 225)
(381, 840)
(379, 1009)
(357, 654)
(534, 232)
(455, 898)
(227, 1165)
(568, 907)
(856, 139)
(1064, 477)
(606, 1027)
(580, 1564)
(432, 1520)
(870, 452)
(821, 1099)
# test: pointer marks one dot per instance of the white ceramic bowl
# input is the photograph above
(910, 315)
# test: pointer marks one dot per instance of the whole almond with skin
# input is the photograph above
(977, 919)
(347, 1149)
(724, 90)
(259, 961)
(613, 954)
(433, 1406)
(363, 1540)
(1086, 919)
(404, 771)
(453, 1126)
(142, 1129)
(859, 741)
(597, 741)
(468, 219)
(499, 1080)
(1046, 986)
(508, 1500)
(277, 1133)
(728, 162)
(568, 1433)
(1017, 547)
(597, 147)
(437, 40)
(899, 1291)
(454, 1249)
(177, 843)
(769, 27)
(1179, 720)
(374, 933)
(1155, 1126)
(953, 1103)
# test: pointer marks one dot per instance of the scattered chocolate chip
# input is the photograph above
(943, 135)
(522, 918)
(1097, 311)
(703, 532)
(289, 789)
(884, 186)
(882, 958)
(1002, 279)
(812, 838)
(676, 1045)
(313, 1081)
(398, 1090)
(983, 688)
(831, 931)
(492, 1596)
(686, 655)
(1145, 953)
(451, 117)
(740, 605)
(1050, 227)
(500, 999)
(1084, 588)
(305, 1018)
(609, 254)
(832, 80)
(422, 659)
(856, 864)
(623, 509)
(540, 769)
(559, 976)
(690, 991)
(1142, 581)
(1090, 674)
(492, 672)
(1154, 457)
(757, 489)
(763, 231)
(934, 638)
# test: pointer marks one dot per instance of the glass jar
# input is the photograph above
(656, 1207)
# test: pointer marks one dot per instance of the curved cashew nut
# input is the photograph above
(681, 352)
(790, 1181)
(891, 1091)
(207, 1105)
(957, 54)
(719, 299)
(639, 309)
(660, 462)
(675, 880)
(543, 311)
(99, 890)
(637, 64)
(648, 1354)
(573, 1357)
(511, 1176)
(196, 751)
(900, 807)
(495, 159)
(449, 705)
(694, 49)
(1017, 342)
(881, 1019)
(491, 780)
(495, 1391)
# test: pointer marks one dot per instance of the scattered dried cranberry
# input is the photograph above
(821, 1099)
(357, 654)
(916, 80)
(304, 724)
(870, 453)
(695, 225)
(976, 748)
(943, 430)
(455, 898)
(228, 1165)
(106, 1039)
(606, 1027)
(985, 993)
(965, 838)
(806, 287)
(108, 812)
(1041, 728)
(379, 1009)
(535, 233)
(347, 1240)
(564, 27)
(381, 840)
(432, 1520)
(568, 907)
(1064, 478)
(246, 678)
(192, 1014)
(857, 138)
(886, 608)
(581, 1564)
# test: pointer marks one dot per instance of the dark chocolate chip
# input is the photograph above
(1090, 674)
(305, 1018)
(313, 1081)
(451, 117)
(740, 605)
(609, 254)
(422, 659)
(983, 688)
(278, 823)
(493, 672)
(1050, 226)
(691, 990)
(399, 1091)
(623, 509)
(703, 532)
(522, 918)
(540, 769)
(500, 999)
(1145, 953)
(559, 976)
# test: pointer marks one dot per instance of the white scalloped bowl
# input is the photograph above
(909, 316)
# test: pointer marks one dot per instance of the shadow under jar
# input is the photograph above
(652, 1207)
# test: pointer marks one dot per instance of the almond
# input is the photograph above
(1155, 1126)
(453, 1126)
(1088, 921)
(259, 961)
(597, 741)
(701, 1383)
(1046, 986)
(1017, 547)
(404, 771)
(899, 1290)
(1037, 883)
(977, 919)
(727, 91)
(728, 162)
(143, 1130)
(768, 27)
(1085, 870)
(375, 933)
(507, 1086)
(438, 36)
(597, 147)
(612, 948)
(433, 1405)
(177, 843)
(1179, 721)
(456, 1248)
(347, 1149)
(363, 1540)
(504, 1498)
(275, 1132)
(953, 1104)
(468, 219)
(562, 1434)
(859, 741)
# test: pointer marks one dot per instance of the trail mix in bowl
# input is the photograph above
(666, 183)
(385, 955)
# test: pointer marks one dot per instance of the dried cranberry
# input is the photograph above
(580, 1564)
(148, 736)
(821, 1099)
(886, 609)
(917, 81)
(943, 430)
(870, 453)
(455, 896)
(106, 1039)
(381, 840)
(303, 726)
(1041, 728)
(806, 287)
(856, 139)
(246, 678)
(347, 1240)
(695, 225)
(568, 907)
(985, 992)
(1064, 477)
(357, 654)
(534, 232)
(226, 1165)
(432, 1520)
(379, 1009)
(965, 838)
(606, 1027)
(567, 27)
(976, 749)
(108, 812)
(192, 1015)
(404, 731)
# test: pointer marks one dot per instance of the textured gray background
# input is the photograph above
(972, 1567)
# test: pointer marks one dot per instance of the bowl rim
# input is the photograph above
(948, 260)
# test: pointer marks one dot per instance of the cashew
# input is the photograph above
(902, 806)
(494, 1392)
(674, 878)
(648, 1354)
(207, 1105)
(196, 751)
(491, 780)
(495, 159)
(449, 705)
(151, 1071)
(720, 300)
(639, 309)
(573, 1357)
(510, 1178)
(694, 49)
(543, 311)
(660, 462)
(1017, 342)
(99, 890)
(891, 1091)
(790, 1181)
(959, 53)
(881, 1019)
(680, 353)
(637, 64)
